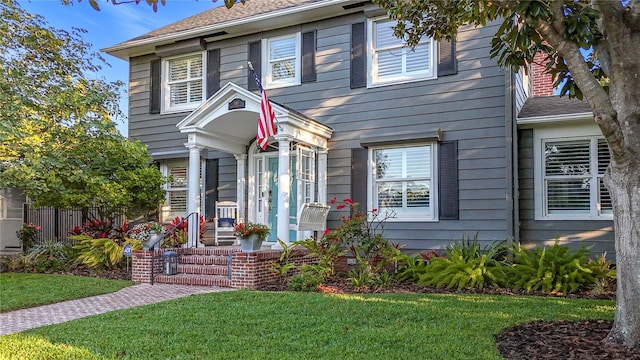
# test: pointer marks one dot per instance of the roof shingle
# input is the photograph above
(552, 105)
(222, 14)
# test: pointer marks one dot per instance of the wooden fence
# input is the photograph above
(57, 223)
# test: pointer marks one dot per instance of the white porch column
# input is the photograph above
(241, 184)
(322, 176)
(284, 189)
(193, 191)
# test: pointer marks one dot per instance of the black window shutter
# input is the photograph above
(448, 180)
(213, 72)
(359, 160)
(211, 188)
(154, 89)
(256, 60)
(358, 56)
(309, 56)
(447, 61)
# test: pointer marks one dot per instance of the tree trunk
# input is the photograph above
(623, 183)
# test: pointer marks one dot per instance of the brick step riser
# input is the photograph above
(203, 269)
(211, 251)
(194, 280)
(202, 260)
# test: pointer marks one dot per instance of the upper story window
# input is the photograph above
(570, 177)
(281, 57)
(402, 179)
(393, 62)
(183, 82)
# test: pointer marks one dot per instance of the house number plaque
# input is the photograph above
(236, 104)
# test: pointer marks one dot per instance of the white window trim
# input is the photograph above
(372, 80)
(267, 77)
(432, 214)
(559, 133)
(166, 207)
(166, 93)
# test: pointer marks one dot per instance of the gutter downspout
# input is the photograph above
(511, 141)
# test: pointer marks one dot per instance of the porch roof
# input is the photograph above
(228, 121)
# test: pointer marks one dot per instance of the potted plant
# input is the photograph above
(251, 235)
(148, 233)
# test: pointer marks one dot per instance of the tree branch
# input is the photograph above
(598, 99)
(631, 15)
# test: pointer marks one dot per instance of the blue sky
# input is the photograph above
(114, 24)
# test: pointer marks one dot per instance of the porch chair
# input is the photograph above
(225, 220)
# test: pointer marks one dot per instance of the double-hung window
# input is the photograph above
(392, 61)
(282, 61)
(183, 82)
(571, 178)
(176, 201)
(402, 179)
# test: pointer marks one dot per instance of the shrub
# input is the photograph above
(410, 267)
(467, 265)
(469, 248)
(462, 273)
(177, 232)
(28, 236)
(102, 253)
(282, 266)
(555, 269)
(16, 263)
(326, 251)
(101, 229)
(48, 256)
(306, 282)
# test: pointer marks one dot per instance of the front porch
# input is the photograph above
(223, 266)
(272, 184)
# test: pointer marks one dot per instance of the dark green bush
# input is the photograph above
(306, 282)
(555, 269)
(456, 271)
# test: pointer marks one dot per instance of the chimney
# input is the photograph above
(542, 80)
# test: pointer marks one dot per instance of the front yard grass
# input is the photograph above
(24, 290)
(286, 325)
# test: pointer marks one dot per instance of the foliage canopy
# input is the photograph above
(58, 140)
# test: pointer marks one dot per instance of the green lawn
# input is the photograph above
(23, 290)
(267, 325)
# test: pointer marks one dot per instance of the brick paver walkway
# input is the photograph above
(136, 295)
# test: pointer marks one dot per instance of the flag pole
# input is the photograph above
(255, 76)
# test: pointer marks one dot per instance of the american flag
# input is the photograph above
(266, 126)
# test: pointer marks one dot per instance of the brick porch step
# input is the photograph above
(201, 266)
(194, 279)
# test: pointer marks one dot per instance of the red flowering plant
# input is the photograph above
(28, 235)
(244, 230)
(178, 232)
(101, 229)
(361, 232)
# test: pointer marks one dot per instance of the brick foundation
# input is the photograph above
(248, 270)
(251, 270)
(141, 261)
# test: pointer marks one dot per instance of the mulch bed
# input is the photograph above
(575, 340)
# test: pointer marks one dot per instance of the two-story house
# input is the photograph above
(438, 135)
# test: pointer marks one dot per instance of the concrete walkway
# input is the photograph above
(136, 295)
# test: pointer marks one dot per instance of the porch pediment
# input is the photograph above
(228, 120)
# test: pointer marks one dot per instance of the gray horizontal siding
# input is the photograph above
(598, 235)
(469, 107)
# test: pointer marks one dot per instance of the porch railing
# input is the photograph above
(172, 231)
